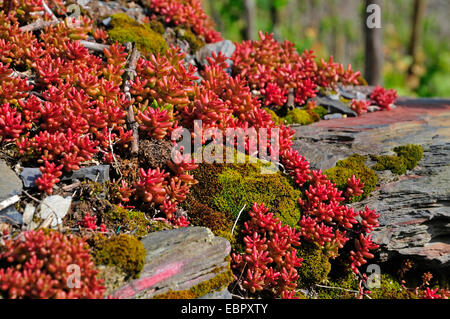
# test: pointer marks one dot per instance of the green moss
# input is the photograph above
(344, 286)
(297, 116)
(124, 252)
(395, 164)
(224, 189)
(128, 220)
(410, 153)
(315, 266)
(353, 165)
(245, 187)
(273, 116)
(125, 29)
(320, 111)
(219, 281)
(390, 289)
(195, 43)
(156, 26)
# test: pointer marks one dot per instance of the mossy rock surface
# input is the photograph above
(390, 288)
(298, 116)
(224, 189)
(125, 29)
(128, 220)
(353, 165)
(124, 251)
(315, 266)
(215, 284)
(344, 286)
(195, 43)
(275, 118)
(320, 111)
(393, 163)
(411, 154)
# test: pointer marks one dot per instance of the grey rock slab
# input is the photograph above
(415, 211)
(98, 173)
(226, 47)
(332, 116)
(10, 185)
(223, 294)
(57, 206)
(177, 260)
(333, 105)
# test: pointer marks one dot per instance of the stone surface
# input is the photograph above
(54, 205)
(332, 116)
(333, 105)
(10, 185)
(178, 260)
(97, 173)
(227, 48)
(414, 208)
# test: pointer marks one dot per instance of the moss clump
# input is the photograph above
(320, 111)
(273, 116)
(224, 189)
(345, 287)
(390, 289)
(156, 26)
(195, 43)
(353, 165)
(315, 266)
(125, 29)
(128, 220)
(395, 164)
(297, 116)
(220, 281)
(245, 187)
(123, 251)
(410, 153)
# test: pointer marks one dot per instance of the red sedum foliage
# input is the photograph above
(383, 98)
(36, 264)
(187, 13)
(275, 68)
(270, 259)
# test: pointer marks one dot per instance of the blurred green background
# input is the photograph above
(335, 27)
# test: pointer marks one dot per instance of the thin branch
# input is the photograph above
(94, 45)
(37, 25)
(49, 11)
(130, 75)
(344, 289)
(235, 222)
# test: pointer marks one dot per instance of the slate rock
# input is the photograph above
(177, 260)
(227, 48)
(10, 185)
(223, 294)
(98, 173)
(334, 106)
(56, 205)
(332, 116)
(414, 208)
(415, 211)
